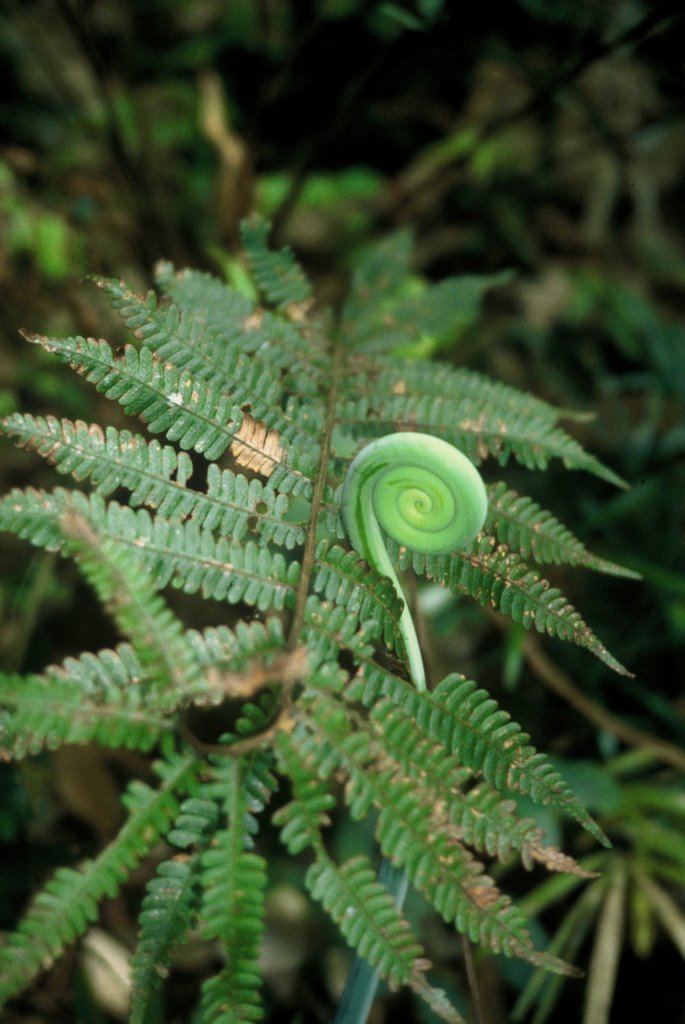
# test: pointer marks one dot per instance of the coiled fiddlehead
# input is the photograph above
(422, 492)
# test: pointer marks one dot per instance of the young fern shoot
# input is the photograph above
(423, 493)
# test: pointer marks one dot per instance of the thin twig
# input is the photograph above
(472, 978)
(317, 500)
(556, 680)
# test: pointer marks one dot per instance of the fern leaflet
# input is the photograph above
(157, 476)
(169, 905)
(469, 724)
(278, 275)
(499, 578)
(441, 868)
(94, 698)
(68, 903)
(523, 526)
(184, 554)
(233, 881)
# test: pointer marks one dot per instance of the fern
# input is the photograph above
(499, 578)
(234, 880)
(157, 476)
(95, 698)
(478, 816)
(477, 429)
(68, 903)
(408, 835)
(523, 526)
(277, 274)
(169, 906)
(185, 554)
(225, 311)
(274, 398)
(360, 905)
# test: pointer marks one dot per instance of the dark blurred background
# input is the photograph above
(543, 138)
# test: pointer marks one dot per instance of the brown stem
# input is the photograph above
(317, 501)
(472, 979)
(555, 679)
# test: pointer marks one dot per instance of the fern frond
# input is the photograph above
(479, 430)
(157, 636)
(521, 524)
(95, 698)
(157, 476)
(357, 902)
(302, 819)
(184, 554)
(278, 275)
(421, 378)
(169, 905)
(183, 338)
(361, 907)
(197, 414)
(219, 645)
(435, 861)
(69, 902)
(223, 309)
(279, 340)
(477, 816)
(380, 272)
(371, 923)
(469, 723)
(232, 911)
(165, 920)
(499, 578)
(438, 311)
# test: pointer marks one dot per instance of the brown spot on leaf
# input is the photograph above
(556, 860)
(482, 894)
(297, 311)
(254, 321)
(256, 447)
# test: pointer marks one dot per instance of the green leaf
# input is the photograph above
(499, 578)
(157, 476)
(233, 882)
(470, 725)
(521, 524)
(95, 698)
(198, 414)
(279, 277)
(184, 554)
(68, 904)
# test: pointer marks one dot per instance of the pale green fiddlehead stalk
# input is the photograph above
(430, 498)
(423, 493)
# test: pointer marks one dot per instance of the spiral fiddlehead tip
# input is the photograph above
(424, 494)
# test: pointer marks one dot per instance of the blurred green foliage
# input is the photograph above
(546, 140)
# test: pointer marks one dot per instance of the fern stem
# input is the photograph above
(472, 978)
(317, 501)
